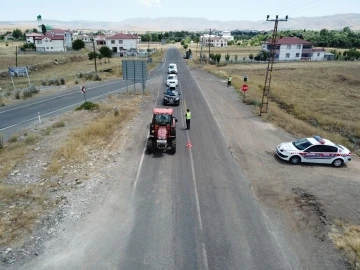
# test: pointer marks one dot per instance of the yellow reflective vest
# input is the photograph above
(188, 115)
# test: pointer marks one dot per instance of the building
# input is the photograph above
(100, 40)
(30, 37)
(122, 42)
(329, 56)
(227, 35)
(83, 37)
(50, 43)
(215, 41)
(294, 49)
(67, 34)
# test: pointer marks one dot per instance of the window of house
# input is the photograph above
(318, 54)
(287, 55)
(47, 47)
(113, 42)
(288, 47)
(120, 42)
(46, 40)
(50, 40)
(298, 46)
(298, 55)
(51, 47)
(39, 42)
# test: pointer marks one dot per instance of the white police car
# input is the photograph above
(314, 150)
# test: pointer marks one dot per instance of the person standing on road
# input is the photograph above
(229, 81)
(188, 118)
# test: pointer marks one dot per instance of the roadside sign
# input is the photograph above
(83, 89)
(244, 87)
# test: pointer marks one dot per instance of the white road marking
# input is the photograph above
(197, 202)
(72, 93)
(143, 154)
(94, 98)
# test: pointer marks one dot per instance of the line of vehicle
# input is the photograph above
(144, 150)
(46, 114)
(197, 201)
(72, 93)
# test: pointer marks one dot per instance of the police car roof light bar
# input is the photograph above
(319, 139)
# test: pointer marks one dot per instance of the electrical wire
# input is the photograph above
(306, 2)
(323, 3)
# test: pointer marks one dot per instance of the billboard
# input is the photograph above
(18, 71)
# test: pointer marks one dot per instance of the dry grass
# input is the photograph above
(97, 133)
(307, 98)
(346, 237)
(241, 51)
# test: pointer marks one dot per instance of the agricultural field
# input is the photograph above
(50, 70)
(307, 98)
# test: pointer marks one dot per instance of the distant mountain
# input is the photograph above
(337, 21)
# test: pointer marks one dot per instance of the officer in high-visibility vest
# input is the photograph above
(188, 118)
(229, 81)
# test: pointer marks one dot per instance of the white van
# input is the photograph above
(172, 69)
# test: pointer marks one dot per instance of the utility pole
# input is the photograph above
(210, 30)
(271, 57)
(16, 53)
(94, 54)
(148, 51)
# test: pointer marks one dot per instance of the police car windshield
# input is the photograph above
(170, 92)
(302, 144)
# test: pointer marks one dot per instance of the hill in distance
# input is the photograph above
(336, 22)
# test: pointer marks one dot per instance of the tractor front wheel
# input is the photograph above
(149, 146)
(173, 146)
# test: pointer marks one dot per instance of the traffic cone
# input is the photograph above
(189, 145)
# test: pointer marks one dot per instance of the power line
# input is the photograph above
(314, 6)
(298, 5)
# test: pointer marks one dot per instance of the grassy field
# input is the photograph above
(67, 66)
(306, 98)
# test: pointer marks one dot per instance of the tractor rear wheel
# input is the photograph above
(149, 146)
(173, 146)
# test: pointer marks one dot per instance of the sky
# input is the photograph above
(224, 10)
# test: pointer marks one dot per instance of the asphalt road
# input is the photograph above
(194, 210)
(191, 210)
(17, 116)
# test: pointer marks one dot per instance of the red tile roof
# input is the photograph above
(289, 41)
(318, 49)
(50, 37)
(123, 36)
(34, 35)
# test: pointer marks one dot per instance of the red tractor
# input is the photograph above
(162, 135)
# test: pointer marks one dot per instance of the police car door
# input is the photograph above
(315, 154)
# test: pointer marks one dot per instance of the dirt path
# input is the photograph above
(306, 198)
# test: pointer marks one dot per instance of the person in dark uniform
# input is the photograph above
(229, 81)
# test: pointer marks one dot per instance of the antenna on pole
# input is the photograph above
(271, 58)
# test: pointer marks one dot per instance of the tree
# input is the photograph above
(218, 57)
(185, 46)
(236, 57)
(43, 29)
(35, 30)
(100, 56)
(227, 57)
(251, 56)
(92, 55)
(17, 33)
(78, 44)
(106, 52)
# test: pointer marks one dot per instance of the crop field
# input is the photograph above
(306, 98)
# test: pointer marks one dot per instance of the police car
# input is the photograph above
(314, 150)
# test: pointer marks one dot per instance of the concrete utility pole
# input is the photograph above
(271, 57)
(93, 41)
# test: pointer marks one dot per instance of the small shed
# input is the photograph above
(329, 56)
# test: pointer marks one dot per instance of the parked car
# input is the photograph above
(314, 150)
(171, 96)
(172, 69)
(172, 78)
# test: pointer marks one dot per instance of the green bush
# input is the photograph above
(58, 124)
(17, 94)
(13, 139)
(89, 106)
(29, 92)
(62, 81)
(31, 139)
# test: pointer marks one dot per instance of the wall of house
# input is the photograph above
(30, 39)
(290, 52)
(124, 43)
(48, 45)
(318, 56)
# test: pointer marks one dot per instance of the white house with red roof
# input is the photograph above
(66, 33)
(294, 49)
(122, 42)
(30, 37)
(50, 43)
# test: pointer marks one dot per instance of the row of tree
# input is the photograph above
(324, 38)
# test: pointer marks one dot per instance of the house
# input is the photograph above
(67, 34)
(8, 37)
(329, 56)
(227, 35)
(30, 37)
(100, 40)
(50, 43)
(83, 37)
(122, 42)
(294, 49)
(215, 41)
